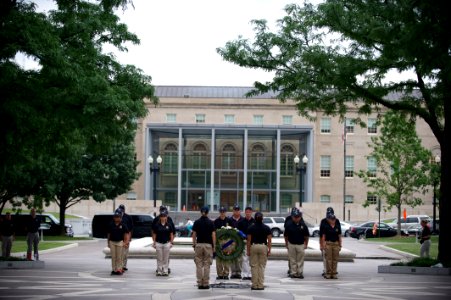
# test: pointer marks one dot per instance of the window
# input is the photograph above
(325, 166)
(267, 221)
(286, 160)
(258, 157)
(258, 119)
(349, 199)
(372, 126)
(350, 125)
(324, 199)
(229, 119)
(371, 199)
(372, 166)
(325, 125)
(349, 170)
(287, 120)
(228, 157)
(170, 157)
(199, 156)
(171, 118)
(200, 118)
(131, 196)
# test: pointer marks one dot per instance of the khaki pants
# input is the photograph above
(323, 253)
(7, 243)
(222, 267)
(203, 259)
(332, 254)
(163, 257)
(424, 250)
(258, 259)
(296, 258)
(116, 249)
(235, 267)
(124, 257)
(33, 241)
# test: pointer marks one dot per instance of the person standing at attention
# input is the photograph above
(425, 239)
(204, 241)
(222, 267)
(32, 228)
(258, 249)
(117, 240)
(235, 266)
(331, 242)
(163, 238)
(296, 240)
(323, 223)
(7, 234)
(127, 220)
(243, 226)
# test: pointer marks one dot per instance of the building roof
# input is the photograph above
(174, 91)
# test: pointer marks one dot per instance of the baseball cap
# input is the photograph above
(258, 215)
(296, 213)
(222, 209)
(236, 207)
(122, 206)
(117, 214)
(163, 208)
(330, 216)
(329, 210)
(118, 211)
(164, 212)
(205, 209)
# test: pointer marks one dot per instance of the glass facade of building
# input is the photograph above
(217, 166)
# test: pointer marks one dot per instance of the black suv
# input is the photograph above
(49, 224)
(142, 225)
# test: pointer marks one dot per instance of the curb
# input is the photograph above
(405, 254)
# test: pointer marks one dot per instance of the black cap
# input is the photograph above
(118, 211)
(122, 206)
(330, 216)
(117, 214)
(163, 208)
(222, 209)
(296, 213)
(205, 209)
(164, 213)
(236, 207)
(258, 215)
(248, 208)
(329, 210)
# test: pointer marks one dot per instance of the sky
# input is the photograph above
(179, 38)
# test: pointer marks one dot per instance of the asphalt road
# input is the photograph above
(84, 273)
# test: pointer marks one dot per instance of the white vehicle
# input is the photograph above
(412, 220)
(276, 224)
(345, 227)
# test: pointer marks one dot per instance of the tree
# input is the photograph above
(80, 101)
(339, 53)
(403, 165)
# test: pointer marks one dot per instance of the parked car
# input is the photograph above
(410, 221)
(49, 224)
(365, 230)
(344, 229)
(142, 225)
(275, 224)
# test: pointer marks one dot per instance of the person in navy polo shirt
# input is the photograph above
(162, 241)
(32, 227)
(117, 240)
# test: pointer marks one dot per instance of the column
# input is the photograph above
(212, 167)
(245, 167)
(179, 171)
(278, 145)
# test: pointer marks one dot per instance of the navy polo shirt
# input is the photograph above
(7, 227)
(220, 222)
(117, 231)
(128, 220)
(157, 220)
(33, 224)
(259, 233)
(162, 232)
(296, 233)
(204, 228)
(332, 233)
(244, 224)
(234, 223)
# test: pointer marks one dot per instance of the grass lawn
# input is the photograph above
(407, 244)
(21, 246)
(55, 214)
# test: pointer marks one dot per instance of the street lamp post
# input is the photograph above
(437, 160)
(154, 169)
(300, 168)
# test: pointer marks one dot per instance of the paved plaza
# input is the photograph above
(84, 273)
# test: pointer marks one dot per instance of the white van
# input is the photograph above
(412, 220)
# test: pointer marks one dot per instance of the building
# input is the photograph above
(219, 148)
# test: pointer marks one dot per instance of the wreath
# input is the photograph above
(229, 244)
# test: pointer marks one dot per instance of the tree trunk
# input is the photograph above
(398, 229)
(63, 206)
(444, 245)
